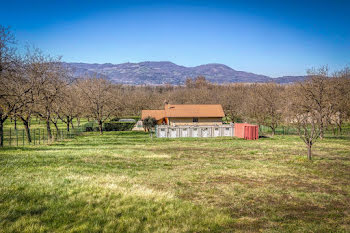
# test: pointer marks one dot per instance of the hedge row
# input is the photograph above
(109, 126)
(118, 126)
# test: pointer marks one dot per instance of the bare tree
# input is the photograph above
(233, 100)
(56, 111)
(100, 99)
(340, 101)
(9, 78)
(300, 113)
(49, 78)
(25, 114)
(136, 98)
(266, 104)
(316, 90)
(70, 106)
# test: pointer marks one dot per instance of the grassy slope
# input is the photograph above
(123, 181)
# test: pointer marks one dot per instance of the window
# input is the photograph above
(227, 129)
(195, 119)
(216, 129)
(162, 129)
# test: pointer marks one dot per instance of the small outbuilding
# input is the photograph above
(246, 131)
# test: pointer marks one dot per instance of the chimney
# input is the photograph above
(166, 103)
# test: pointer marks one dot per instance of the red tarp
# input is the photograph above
(246, 131)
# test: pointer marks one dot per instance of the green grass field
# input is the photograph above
(126, 182)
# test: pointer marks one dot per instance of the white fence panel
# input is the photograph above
(164, 131)
(227, 131)
(184, 133)
(173, 133)
(205, 132)
(195, 132)
(216, 132)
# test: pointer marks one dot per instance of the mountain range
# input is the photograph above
(163, 72)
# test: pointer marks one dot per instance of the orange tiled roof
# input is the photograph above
(185, 110)
(194, 110)
(156, 114)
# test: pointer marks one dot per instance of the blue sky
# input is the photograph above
(273, 38)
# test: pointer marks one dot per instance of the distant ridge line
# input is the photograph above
(166, 72)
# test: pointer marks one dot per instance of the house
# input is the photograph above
(187, 114)
(197, 120)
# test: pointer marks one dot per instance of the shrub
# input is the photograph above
(108, 126)
(89, 127)
(118, 126)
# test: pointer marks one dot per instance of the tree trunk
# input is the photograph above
(321, 130)
(309, 154)
(339, 125)
(1, 133)
(71, 122)
(67, 123)
(55, 124)
(100, 127)
(273, 131)
(78, 119)
(48, 128)
(15, 123)
(26, 127)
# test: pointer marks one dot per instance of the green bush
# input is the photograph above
(89, 127)
(118, 126)
(108, 126)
